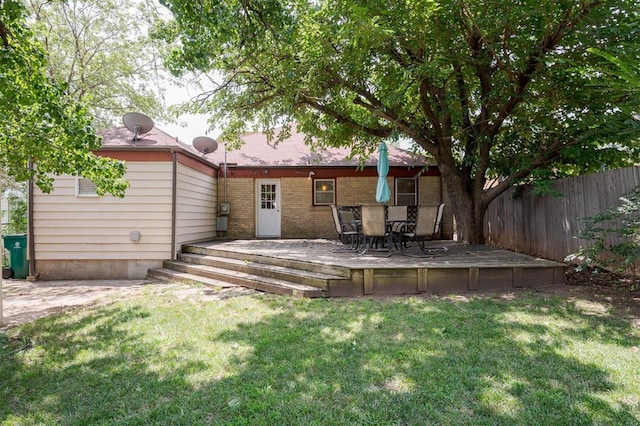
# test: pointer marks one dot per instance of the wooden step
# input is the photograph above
(267, 284)
(172, 275)
(311, 278)
(301, 265)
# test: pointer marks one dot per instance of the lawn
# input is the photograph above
(260, 359)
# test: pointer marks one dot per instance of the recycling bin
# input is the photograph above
(17, 247)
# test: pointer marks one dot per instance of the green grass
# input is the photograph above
(270, 360)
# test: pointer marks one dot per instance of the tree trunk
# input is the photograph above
(467, 207)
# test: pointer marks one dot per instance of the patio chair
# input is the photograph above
(427, 227)
(374, 228)
(347, 233)
(397, 217)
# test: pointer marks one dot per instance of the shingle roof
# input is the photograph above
(257, 151)
(122, 138)
(292, 152)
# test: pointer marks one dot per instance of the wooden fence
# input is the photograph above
(546, 225)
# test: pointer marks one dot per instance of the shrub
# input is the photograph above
(613, 236)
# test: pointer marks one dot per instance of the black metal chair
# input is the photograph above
(427, 227)
(347, 232)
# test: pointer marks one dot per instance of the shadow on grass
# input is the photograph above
(272, 360)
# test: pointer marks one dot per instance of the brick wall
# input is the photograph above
(240, 196)
(300, 218)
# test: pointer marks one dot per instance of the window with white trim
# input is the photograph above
(85, 187)
(406, 192)
(324, 192)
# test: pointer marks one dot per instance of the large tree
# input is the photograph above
(102, 51)
(43, 130)
(490, 89)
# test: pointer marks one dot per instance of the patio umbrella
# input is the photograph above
(383, 193)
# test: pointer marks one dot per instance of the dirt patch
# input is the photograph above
(619, 292)
(25, 301)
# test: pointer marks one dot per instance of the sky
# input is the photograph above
(196, 125)
(188, 126)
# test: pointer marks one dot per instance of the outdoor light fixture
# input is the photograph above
(311, 174)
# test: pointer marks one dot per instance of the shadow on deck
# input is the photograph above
(313, 268)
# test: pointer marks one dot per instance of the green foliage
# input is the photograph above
(17, 203)
(489, 89)
(101, 49)
(613, 236)
(39, 121)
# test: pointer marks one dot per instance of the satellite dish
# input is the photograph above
(205, 144)
(138, 123)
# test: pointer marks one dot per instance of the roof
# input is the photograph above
(122, 138)
(257, 151)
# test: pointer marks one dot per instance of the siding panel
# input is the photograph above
(90, 228)
(196, 202)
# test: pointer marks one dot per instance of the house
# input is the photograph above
(179, 195)
(172, 199)
(284, 190)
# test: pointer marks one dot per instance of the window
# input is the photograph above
(324, 191)
(268, 196)
(85, 187)
(406, 192)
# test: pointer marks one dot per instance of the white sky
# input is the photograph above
(188, 126)
(196, 125)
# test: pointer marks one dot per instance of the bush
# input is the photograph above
(18, 213)
(613, 236)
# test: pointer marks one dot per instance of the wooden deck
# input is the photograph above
(318, 268)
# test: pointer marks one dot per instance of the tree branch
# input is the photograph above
(543, 158)
(382, 132)
(546, 45)
(4, 35)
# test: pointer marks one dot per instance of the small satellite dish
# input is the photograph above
(205, 144)
(138, 123)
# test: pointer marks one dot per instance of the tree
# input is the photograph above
(490, 89)
(43, 131)
(101, 50)
(613, 235)
(17, 211)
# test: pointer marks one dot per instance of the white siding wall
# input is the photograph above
(69, 229)
(195, 206)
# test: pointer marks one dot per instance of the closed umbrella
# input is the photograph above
(383, 193)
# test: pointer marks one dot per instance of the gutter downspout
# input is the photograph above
(31, 247)
(174, 203)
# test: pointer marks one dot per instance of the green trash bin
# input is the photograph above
(17, 247)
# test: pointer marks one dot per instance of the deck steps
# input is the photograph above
(285, 273)
(256, 272)
(165, 274)
(301, 265)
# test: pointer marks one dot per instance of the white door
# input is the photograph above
(268, 202)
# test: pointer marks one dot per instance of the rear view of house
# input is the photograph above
(284, 190)
(179, 195)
